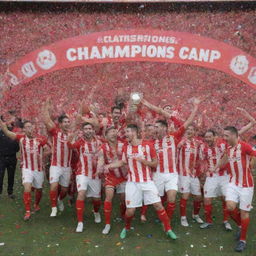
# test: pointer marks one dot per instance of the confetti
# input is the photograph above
(2, 244)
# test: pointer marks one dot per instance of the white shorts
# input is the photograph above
(120, 189)
(36, 178)
(216, 186)
(188, 184)
(136, 192)
(60, 175)
(240, 195)
(91, 186)
(165, 182)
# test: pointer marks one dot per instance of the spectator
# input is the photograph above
(8, 159)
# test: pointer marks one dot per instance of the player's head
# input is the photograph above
(230, 134)
(149, 131)
(88, 130)
(64, 122)
(111, 134)
(210, 136)
(28, 128)
(101, 116)
(161, 127)
(131, 132)
(116, 113)
(191, 131)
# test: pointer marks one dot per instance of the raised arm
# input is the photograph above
(250, 124)
(190, 119)
(81, 119)
(156, 109)
(46, 116)
(5, 130)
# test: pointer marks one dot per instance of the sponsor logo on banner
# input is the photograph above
(28, 69)
(46, 59)
(239, 65)
(252, 75)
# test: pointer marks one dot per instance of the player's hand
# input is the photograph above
(213, 169)
(105, 168)
(139, 159)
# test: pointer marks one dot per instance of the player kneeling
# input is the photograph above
(140, 156)
(114, 178)
(32, 161)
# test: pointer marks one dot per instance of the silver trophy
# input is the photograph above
(135, 99)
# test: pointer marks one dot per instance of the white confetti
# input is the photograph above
(191, 245)
(2, 244)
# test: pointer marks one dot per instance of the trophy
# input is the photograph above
(135, 99)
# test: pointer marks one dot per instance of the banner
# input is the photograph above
(133, 45)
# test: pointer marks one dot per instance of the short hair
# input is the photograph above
(25, 122)
(231, 129)
(162, 122)
(211, 131)
(116, 107)
(109, 129)
(133, 127)
(61, 118)
(87, 123)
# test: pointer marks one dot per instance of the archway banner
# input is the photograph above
(133, 45)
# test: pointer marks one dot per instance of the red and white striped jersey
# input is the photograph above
(213, 154)
(31, 152)
(239, 158)
(166, 150)
(88, 156)
(108, 122)
(111, 155)
(61, 153)
(138, 172)
(188, 156)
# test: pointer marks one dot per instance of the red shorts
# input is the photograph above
(113, 181)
